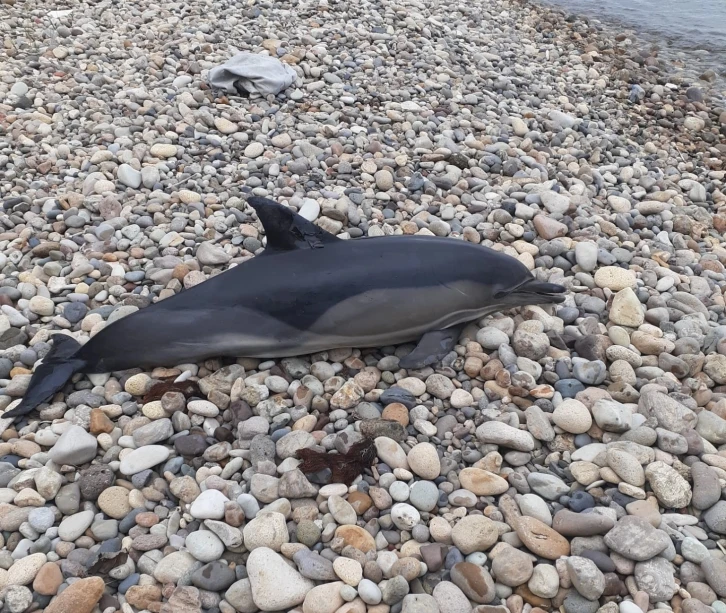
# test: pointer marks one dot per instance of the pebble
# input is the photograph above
(129, 176)
(204, 545)
(423, 460)
(143, 458)
(75, 447)
(81, 596)
(474, 533)
(636, 539)
(268, 530)
(275, 585)
(73, 526)
(450, 598)
(210, 504)
(572, 416)
(671, 489)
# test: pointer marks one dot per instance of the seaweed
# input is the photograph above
(188, 388)
(345, 467)
(104, 563)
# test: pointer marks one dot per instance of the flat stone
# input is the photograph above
(545, 581)
(48, 579)
(547, 486)
(474, 581)
(586, 577)
(626, 467)
(572, 416)
(143, 458)
(420, 603)
(210, 254)
(129, 176)
(626, 309)
(209, 505)
(715, 572)
(390, 452)
(74, 526)
(706, 488)
(636, 539)
(711, 427)
(612, 416)
(512, 566)
(655, 578)
(79, 597)
(24, 570)
(324, 598)
(474, 533)
(450, 598)
(498, 433)
(614, 278)
(672, 490)
(715, 517)
(342, 511)
(174, 566)
(239, 595)
(204, 545)
(75, 447)
(568, 523)
(540, 539)
(423, 460)
(266, 530)
(357, 537)
(482, 482)
(669, 413)
(163, 150)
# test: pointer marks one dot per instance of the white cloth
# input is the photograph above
(253, 73)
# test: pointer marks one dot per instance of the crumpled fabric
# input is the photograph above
(252, 73)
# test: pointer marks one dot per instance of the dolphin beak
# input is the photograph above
(539, 292)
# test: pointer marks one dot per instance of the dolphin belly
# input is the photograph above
(166, 338)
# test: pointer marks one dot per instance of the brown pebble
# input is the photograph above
(396, 412)
(79, 597)
(146, 520)
(233, 514)
(642, 599)
(515, 603)
(100, 422)
(360, 501)
(143, 596)
(48, 579)
(533, 599)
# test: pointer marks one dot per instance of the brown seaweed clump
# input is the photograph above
(344, 466)
(188, 388)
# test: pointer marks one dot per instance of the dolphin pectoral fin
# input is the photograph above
(432, 348)
(286, 230)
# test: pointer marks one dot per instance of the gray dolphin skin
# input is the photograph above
(309, 291)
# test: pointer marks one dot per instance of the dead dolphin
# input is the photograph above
(309, 291)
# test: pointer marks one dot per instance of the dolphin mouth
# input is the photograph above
(539, 292)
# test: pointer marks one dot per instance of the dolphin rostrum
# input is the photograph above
(309, 291)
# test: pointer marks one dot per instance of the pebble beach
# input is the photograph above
(564, 458)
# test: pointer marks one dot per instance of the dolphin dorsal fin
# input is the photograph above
(286, 230)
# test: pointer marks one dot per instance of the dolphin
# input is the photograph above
(308, 291)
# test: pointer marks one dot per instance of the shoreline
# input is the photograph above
(561, 458)
(675, 50)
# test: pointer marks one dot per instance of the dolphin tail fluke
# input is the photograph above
(540, 292)
(56, 370)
